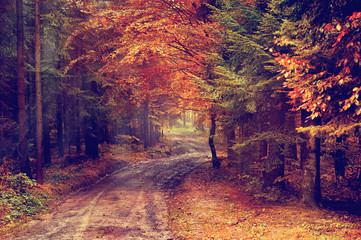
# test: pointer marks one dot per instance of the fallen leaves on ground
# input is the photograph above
(206, 206)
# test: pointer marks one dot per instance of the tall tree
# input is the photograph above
(245, 82)
(23, 143)
(39, 111)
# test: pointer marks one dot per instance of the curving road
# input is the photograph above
(128, 204)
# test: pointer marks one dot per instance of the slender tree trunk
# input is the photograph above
(66, 127)
(263, 144)
(278, 169)
(184, 118)
(242, 165)
(107, 133)
(39, 111)
(215, 161)
(23, 142)
(277, 119)
(311, 169)
(290, 128)
(146, 124)
(341, 160)
(46, 137)
(230, 132)
(90, 136)
(91, 131)
(77, 126)
(72, 122)
(59, 126)
(157, 133)
(303, 145)
(151, 133)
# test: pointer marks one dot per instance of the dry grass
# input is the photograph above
(208, 207)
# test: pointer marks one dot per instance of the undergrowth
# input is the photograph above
(19, 197)
(22, 198)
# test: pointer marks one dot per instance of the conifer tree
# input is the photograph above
(319, 73)
(246, 84)
(23, 148)
(39, 111)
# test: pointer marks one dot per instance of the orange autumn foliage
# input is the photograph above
(147, 49)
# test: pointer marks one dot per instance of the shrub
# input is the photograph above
(19, 197)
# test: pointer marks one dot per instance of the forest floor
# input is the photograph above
(161, 195)
(210, 204)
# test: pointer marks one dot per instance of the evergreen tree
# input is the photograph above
(23, 148)
(246, 85)
(320, 73)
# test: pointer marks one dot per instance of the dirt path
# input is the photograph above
(129, 204)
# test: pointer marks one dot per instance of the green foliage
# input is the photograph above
(19, 197)
(245, 68)
(251, 144)
(255, 186)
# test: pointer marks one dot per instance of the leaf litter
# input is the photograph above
(206, 206)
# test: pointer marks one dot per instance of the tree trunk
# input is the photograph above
(231, 137)
(23, 142)
(303, 145)
(215, 161)
(151, 133)
(91, 138)
(77, 126)
(39, 111)
(243, 163)
(184, 118)
(91, 130)
(263, 144)
(341, 160)
(59, 126)
(311, 169)
(276, 149)
(66, 126)
(278, 168)
(46, 137)
(146, 132)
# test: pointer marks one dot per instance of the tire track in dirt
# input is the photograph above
(128, 204)
(86, 215)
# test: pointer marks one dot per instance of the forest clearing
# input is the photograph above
(95, 93)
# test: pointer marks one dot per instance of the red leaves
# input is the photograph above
(328, 27)
(355, 15)
(104, 21)
(339, 37)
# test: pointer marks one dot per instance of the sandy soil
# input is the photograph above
(128, 204)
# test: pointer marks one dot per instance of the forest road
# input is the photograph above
(128, 204)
